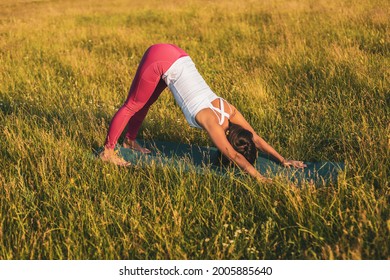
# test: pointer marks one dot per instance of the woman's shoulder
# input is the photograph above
(208, 120)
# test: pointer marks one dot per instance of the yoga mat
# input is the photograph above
(200, 159)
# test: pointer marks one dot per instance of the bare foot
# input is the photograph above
(110, 155)
(132, 144)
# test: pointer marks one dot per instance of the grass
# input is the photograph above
(312, 77)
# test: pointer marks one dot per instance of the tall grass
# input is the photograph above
(312, 77)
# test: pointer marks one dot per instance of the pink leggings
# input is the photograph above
(144, 91)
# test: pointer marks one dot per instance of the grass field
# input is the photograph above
(312, 77)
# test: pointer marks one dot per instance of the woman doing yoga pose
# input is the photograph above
(167, 65)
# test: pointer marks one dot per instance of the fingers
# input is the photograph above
(294, 163)
(300, 164)
(263, 179)
(267, 180)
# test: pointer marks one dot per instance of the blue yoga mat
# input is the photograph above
(200, 159)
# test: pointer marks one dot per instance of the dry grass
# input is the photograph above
(311, 76)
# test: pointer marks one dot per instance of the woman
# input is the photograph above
(167, 65)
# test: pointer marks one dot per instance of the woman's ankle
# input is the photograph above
(133, 144)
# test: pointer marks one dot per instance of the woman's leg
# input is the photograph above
(139, 94)
(145, 89)
(135, 122)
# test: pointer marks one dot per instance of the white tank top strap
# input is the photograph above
(221, 111)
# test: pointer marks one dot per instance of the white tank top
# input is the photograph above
(190, 90)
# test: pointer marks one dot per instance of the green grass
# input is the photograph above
(312, 77)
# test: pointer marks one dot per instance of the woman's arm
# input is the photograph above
(262, 145)
(217, 135)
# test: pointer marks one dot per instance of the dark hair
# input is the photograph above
(241, 140)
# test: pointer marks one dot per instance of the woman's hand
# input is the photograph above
(293, 163)
(262, 179)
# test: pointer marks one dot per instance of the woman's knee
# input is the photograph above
(133, 106)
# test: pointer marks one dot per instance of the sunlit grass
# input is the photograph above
(312, 77)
